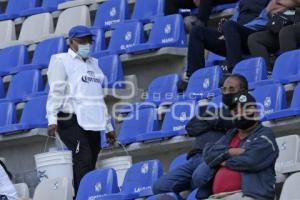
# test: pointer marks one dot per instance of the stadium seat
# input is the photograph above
(22, 190)
(1, 88)
(138, 122)
(47, 6)
(7, 32)
(111, 13)
(112, 68)
(288, 160)
(271, 98)
(192, 195)
(12, 57)
(213, 59)
(72, 17)
(98, 183)
(253, 69)
(23, 85)
(43, 53)
(167, 31)
(33, 116)
(99, 43)
(179, 160)
(293, 110)
(166, 196)
(146, 11)
(138, 181)
(174, 122)
(50, 189)
(126, 35)
(286, 69)
(203, 82)
(8, 115)
(15, 7)
(290, 189)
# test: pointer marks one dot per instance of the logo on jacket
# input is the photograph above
(145, 168)
(98, 187)
(90, 77)
(113, 12)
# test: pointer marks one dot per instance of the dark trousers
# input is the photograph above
(205, 8)
(85, 146)
(264, 43)
(232, 44)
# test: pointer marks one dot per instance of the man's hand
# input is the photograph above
(197, 2)
(52, 130)
(236, 151)
(111, 137)
(221, 24)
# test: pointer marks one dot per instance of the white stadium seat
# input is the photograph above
(290, 190)
(22, 190)
(7, 31)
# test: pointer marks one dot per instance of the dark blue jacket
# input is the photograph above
(256, 164)
(252, 14)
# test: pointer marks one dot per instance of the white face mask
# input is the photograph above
(84, 50)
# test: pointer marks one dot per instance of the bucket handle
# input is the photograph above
(123, 147)
(57, 138)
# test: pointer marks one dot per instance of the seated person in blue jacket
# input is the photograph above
(245, 157)
(229, 40)
(208, 127)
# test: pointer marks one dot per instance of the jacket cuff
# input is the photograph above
(109, 128)
(52, 120)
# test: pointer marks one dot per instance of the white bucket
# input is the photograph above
(54, 164)
(121, 164)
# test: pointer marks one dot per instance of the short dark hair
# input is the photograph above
(242, 79)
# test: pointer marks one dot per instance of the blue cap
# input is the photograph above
(79, 31)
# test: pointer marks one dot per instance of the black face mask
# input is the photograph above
(228, 99)
(243, 124)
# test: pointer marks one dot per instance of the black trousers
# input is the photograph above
(85, 145)
(205, 8)
(265, 43)
(232, 44)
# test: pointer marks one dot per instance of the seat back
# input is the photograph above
(178, 116)
(290, 190)
(8, 114)
(7, 31)
(111, 12)
(98, 40)
(1, 88)
(270, 98)
(162, 89)
(73, 17)
(34, 112)
(253, 69)
(147, 10)
(212, 58)
(286, 65)
(22, 190)
(24, 83)
(13, 56)
(98, 183)
(168, 31)
(289, 154)
(203, 80)
(112, 68)
(126, 35)
(57, 188)
(179, 160)
(296, 96)
(52, 4)
(192, 195)
(47, 48)
(141, 176)
(31, 32)
(138, 122)
(14, 7)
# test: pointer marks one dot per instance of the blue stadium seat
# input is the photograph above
(40, 93)
(271, 98)
(136, 123)
(138, 181)
(12, 57)
(167, 196)
(23, 85)
(47, 6)
(253, 69)
(293, 110)
(43, 53)
(8, 115)
(167, 31)
(111, 13)
(98, 183)
(15, 7)
(98, 41)
(203, 82)
(126, 35)
(33, 116)
(212, 59)
(174, 122)
(1, 88)
(112, 68)
(192, 195)
(147, 11)
(179, 160)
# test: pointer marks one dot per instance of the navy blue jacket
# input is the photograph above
(256, 164)
(252, 14)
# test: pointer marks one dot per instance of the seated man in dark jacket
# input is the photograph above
(245, 157)
(210, 127)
